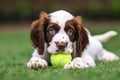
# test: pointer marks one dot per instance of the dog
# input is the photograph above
(60, 31)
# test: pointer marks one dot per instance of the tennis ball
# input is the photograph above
(60, 59)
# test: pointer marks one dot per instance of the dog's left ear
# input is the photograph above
(81, 38)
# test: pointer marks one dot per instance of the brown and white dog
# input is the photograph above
(62, 32)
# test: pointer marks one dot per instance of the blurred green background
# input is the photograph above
(27, 10)
(16, 49)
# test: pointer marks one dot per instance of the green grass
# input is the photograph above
(16, 50)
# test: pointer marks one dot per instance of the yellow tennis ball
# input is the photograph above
(60, 59)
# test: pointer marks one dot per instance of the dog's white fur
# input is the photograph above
(93, 52)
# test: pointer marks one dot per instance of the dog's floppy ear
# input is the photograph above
(81, 38)
(37, 32)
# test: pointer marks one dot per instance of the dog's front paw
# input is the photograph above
(76, 63)
(80, 63)
(68, 66)
(36, 63)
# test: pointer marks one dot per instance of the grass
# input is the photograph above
(16, 50)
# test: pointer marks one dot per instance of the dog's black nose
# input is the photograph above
(61, 46)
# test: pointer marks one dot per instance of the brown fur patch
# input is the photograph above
(70, 25)
(37, 32)
(49, 36)
(82, 39)
(80, 34)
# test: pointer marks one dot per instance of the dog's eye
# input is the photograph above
(70, 32)
(52, 31)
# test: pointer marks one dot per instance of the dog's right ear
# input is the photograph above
(37, 32)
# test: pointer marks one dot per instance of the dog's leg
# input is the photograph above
(81, 62)
(105, 37)
(37, 61)
(109, 56)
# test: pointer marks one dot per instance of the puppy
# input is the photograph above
(60, 31)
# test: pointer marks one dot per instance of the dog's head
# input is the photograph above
(60, 31)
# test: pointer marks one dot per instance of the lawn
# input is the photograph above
(16, 50)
